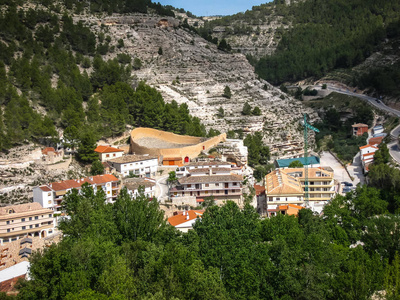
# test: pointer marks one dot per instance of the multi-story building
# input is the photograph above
(51, 195)
(140, 165)
(321, 185)
(367, 153)
(287, 186)
(18, 221)
(133, 184)
(224, 186)
(281, 188)
(359, 129)
(312, 162)
(107, 152)
(200, 165)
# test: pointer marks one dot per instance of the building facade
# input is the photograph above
(140, 165)
(197, 187)
(51, 195)
(18, 221)
(203, 165)
(133, 184)
(359, 129)
(107, 152)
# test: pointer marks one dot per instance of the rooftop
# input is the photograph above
(280, 183)
(284, 163)
(133, 184)
(21, 208)
(312, 172)
(77, 183)
(210, 179)
(208, 163)
(131, 158)
(46, 151)
(206, 170)
(107, 149)
(182, 217)
(359, 125)
(368, 146)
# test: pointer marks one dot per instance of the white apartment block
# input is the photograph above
(51, 195)
(140, 165)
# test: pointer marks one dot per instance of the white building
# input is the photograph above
(107, 152)
(205, 165)
(367, 153)
(140, 165)
(133, 184)
(183, 221)
(377, 129)
(51, 195)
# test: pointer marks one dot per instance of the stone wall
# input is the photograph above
(194, 148)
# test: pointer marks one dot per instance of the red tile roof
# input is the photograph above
(77, 183)
(180, 218)
(107, 149)
(366, 146)
(375, 140)
(359, 125)
(259, 189)
(45, 188)
(45, 151)
(8, 286)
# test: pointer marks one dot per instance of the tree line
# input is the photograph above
(126, 250)
(326, 35)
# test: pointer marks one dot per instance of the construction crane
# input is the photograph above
(306, 128)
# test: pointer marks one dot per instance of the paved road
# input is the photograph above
(394, 151)
(161, 188)
(371, 100)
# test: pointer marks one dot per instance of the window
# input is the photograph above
(278, 199)
(217, 184)
(107, 155)
(206, 192)
(50, 215)
(141, 163)
(207, 185)
(114, 154)
(189, 185)
(235, 183)
(8, 222)
(49, 202)
(49, 194)
(36, 225)
(36, 217)
(8, 230)
(108, 192)
(30, 218)
(23, 220)
(23, 227)
(30, 226)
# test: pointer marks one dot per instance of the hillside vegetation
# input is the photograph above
(53, 76)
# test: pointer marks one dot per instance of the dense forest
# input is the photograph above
(126, 250)
(326, 35)
(52, 75)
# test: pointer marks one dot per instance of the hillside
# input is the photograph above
(310, 39)
(69, 69)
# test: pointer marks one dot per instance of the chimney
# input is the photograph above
(187, 216)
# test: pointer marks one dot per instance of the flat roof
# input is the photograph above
(14, 271)
(284, 163)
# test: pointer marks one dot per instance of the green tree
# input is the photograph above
(137, 63)
(246, 109)
(97, 168)
(86, 148)
(296, 164)
(220, 113)
(256, 111)
(227, 92)
(160, 51)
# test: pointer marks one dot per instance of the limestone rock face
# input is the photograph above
(190, 70)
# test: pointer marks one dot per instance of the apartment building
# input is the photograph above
(284, 186)
(133, 184)
(321, 185)
(140, 165)
(196, 187)
(106, 152)
(18, 221)
(51, 195)
(200, 165)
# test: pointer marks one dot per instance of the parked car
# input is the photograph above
(347, 183)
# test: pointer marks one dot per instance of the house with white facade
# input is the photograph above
(107, 152)
(367, 153)
(377, 129)
(193, 189)
(140, 165)
(51, 195)
(183, 221)
(133, 184)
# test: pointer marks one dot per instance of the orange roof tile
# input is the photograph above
(280, 183)
(45, 151)
(366, 146)
(375, 140)
(259, 189)
(107, 149)
(77, 183)
(359, 125)
(180, 218)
